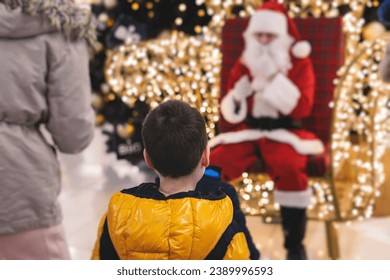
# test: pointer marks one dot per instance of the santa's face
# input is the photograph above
(265, 38)
(266, 54)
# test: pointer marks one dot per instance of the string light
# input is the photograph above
(257, 193)
(360, 135)
(174, 66)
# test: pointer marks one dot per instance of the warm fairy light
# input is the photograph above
(360, 116)
(171, 67)
(257, 197)
(182, 7)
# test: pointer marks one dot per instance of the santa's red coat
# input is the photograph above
(285, 163)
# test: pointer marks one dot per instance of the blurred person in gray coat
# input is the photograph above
(44, 81)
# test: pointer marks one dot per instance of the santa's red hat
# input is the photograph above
(272, 17)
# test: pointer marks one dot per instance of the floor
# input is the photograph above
(90, 178)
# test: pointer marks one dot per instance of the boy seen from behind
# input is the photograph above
(171, 220)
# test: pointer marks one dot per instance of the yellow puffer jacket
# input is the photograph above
(143, 224)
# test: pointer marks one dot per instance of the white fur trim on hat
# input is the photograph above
(269, 22)
(295, 199)
(301, 49)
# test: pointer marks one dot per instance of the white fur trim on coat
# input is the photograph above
(301, 146)
(296, 199)
(282, 94)
(267, 21)
(228, 109)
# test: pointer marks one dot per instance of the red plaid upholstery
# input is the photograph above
(327, 41)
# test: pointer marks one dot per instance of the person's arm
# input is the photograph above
(304, 79)
(234, 105)
(104, 248)
(238, 248)
(96, 248)
(211, 181)
(239, 217)
(71, 117)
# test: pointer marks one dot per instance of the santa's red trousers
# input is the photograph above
(284, 165)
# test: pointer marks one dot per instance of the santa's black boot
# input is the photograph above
(294, 226)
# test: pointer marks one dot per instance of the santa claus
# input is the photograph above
(270, 89)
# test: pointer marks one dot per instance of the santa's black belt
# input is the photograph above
(265, 123)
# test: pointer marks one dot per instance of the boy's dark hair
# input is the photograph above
(175, 137)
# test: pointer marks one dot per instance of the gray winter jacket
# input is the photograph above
(44, 81)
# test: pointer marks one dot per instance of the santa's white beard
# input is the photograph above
(263, 61)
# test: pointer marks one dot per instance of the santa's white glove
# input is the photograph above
(242, 89)
(282, 94)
